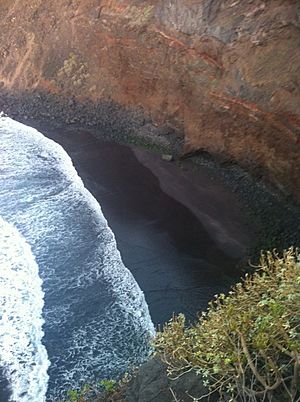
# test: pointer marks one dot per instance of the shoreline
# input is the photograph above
(263, 213)
(276, 216)
(177, 261)
(177, 264)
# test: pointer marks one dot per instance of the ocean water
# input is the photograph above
(23, 356)
(71, 312)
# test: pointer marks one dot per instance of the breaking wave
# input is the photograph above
(23, 358)
(97, 322)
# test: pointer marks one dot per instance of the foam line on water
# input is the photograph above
(97, 320)
(23, 358)
(35, 142)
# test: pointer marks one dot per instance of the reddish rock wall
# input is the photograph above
(226, 73)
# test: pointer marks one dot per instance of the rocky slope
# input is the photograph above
(226, 73)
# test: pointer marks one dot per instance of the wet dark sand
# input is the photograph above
(180, 234)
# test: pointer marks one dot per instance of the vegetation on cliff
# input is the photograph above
(247, 345)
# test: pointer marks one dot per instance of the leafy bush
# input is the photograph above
(75, 395)
(247, 344)
(104, 390)
(109, 385)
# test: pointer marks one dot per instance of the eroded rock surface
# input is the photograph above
(152, 384)
(225, 73)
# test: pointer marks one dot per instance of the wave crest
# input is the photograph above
(23, 358)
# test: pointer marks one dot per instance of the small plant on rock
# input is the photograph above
(108, 385)
(80, 395)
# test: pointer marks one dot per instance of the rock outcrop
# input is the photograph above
(224, 73)
(151, 383)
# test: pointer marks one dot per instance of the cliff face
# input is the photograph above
(224, 72)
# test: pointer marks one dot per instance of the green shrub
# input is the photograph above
(80, 395)
(109, 385)
(247, 344)
(99, 391)
(73, 395)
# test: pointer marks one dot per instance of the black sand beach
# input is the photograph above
(182, 228)
(180, 235)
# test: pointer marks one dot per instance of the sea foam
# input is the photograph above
(23, 358)
(97, 323)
